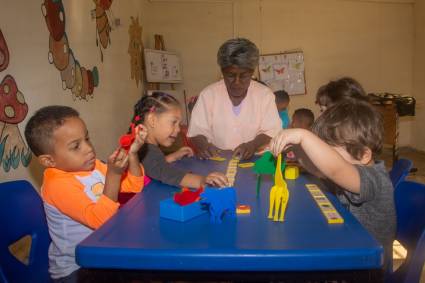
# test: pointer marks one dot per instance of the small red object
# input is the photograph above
(187, 196)
(127, 140)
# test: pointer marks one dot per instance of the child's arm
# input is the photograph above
(215, 179)
(179, 154)
(133, 157)
(117, 164)
(322, 155)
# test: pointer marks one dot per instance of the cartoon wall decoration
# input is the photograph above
(80, 80)
(13, 110)
(103, 27)
(135, 49)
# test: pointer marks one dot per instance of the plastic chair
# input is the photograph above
(400, 170)
(410, 207)
(22, 214)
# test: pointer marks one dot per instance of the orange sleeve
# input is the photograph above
(131, 183)
(67, 195)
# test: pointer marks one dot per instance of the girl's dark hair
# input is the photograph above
(335, 91)
(158, 102)
(353, 124)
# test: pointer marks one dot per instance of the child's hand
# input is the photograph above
(216, 179)
(244, 151)
(177, 155)
(118, 161)
(140, 137)
(184, 151)
(285, 139)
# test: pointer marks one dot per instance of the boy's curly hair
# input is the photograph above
(40, 127)
(353, 124)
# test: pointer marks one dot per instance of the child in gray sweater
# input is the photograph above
(342, 148)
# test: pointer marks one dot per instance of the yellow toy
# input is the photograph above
(243, 209)
(291, 172)
(217, 158)
(232, 169)
(246, 165)
(279, 194)
(328, 210)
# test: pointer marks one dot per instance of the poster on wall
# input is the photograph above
(283, 71)
(162, 66)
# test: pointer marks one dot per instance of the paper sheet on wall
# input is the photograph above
(283, 71)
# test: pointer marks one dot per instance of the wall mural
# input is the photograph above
(135, 49)
(80, 80)
(13, 110)
(103, 27)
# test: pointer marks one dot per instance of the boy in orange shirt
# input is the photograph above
(79, 192)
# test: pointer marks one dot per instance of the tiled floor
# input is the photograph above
(418, 159)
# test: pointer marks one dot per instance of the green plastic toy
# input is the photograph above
(266, 165)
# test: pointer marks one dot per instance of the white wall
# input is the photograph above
(108, 114)
(371, 41)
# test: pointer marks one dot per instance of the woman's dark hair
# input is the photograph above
(353, 124)
(335, 91)
(158, 102)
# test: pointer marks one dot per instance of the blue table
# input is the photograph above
(137, 238)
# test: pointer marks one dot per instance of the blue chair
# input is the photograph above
(400, 170)
(22, 214)
(410, 208)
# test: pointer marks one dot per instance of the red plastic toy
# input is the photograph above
(187, 196)
(127, 140)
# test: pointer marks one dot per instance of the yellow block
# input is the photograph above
(243, 209)
(291, 172)
(246, 165)
(217, 158)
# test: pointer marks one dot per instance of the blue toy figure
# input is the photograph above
(220, 202)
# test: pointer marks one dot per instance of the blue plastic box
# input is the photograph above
(171, 210)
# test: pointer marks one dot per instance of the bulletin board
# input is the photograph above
(162, 66)
(283, 71)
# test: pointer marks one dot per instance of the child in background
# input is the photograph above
(282, 102)
(79, 192)
(161, 114)
(335, 91)
(346, 139)
(302, 118)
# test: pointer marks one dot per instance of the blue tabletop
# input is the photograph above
(137, 238)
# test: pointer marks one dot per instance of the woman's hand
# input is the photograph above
(244, 150)
(216, 179)
(208, 151)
